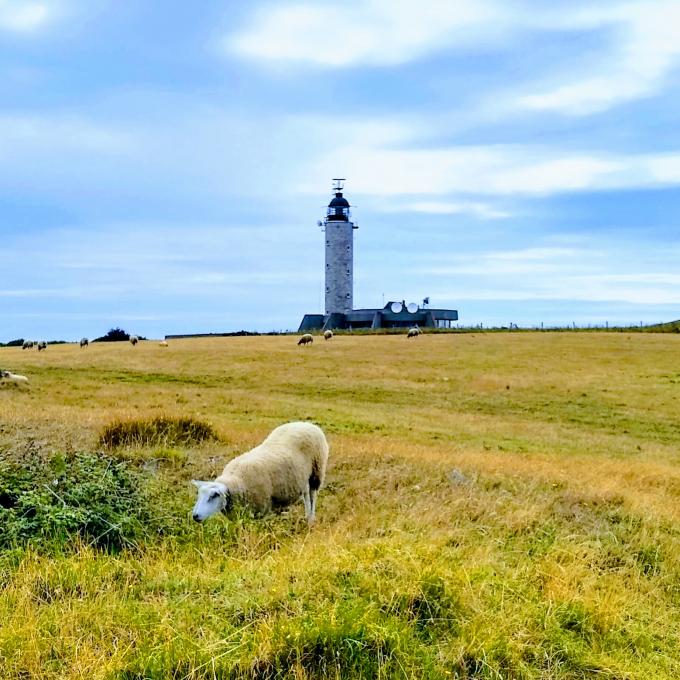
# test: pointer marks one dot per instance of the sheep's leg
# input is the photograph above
(312, 496)
(314, 484)
(309, 498)
(308, 506)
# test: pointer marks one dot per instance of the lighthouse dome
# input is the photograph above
(339, 200)
(338, 208)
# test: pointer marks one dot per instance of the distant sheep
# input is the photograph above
(413, 333)
(84, 342)
(289, 464)
(28, 344)
(163, 343)
(327, 335)
(306, 339)
(13, 377)
(42, 345)
(134, 340)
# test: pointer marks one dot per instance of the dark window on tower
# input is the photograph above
(348, 271)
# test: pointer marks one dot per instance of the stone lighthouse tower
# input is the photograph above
(339, 253)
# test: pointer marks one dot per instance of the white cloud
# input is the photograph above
(666, 278)
(522, 261)
(66, 292)
(394, 158)
(23, 133)
(664, 168)
(375, 32)
(483, 211)
(643, 49)
(593, 271)
(585, 290)
(539, 253)
(23, 16)
(118, 260)
(640, 41)
(490, 170)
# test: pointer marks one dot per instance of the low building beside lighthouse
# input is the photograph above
(339, 310)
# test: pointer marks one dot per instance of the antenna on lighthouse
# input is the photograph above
(338, 183)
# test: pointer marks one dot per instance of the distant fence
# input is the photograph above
(662, 327)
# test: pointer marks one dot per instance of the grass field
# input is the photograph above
(497, 506)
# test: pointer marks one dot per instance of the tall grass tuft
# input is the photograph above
(158, 431)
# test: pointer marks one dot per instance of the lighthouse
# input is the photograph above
(339, 308)
(339, 231)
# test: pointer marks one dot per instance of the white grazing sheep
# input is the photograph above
(306, 339)
(84, 342)
(42, 345)
(134, 340)
(289, 464)
(13, 377)
(413, 333)
(327, 335)
(28, 344)
(163, 343)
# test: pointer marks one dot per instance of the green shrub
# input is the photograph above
(114, 335)
(48, 501)
(159, 431)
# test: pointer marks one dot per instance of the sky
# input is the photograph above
(163, 165)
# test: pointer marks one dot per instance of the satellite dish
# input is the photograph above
(319, 223)
(412, 307)
(396, 307)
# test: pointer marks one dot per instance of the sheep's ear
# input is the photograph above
(197, 483)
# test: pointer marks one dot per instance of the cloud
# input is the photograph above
(592, 271)
(483, 211)
(642, 50)
(119, 260)
(374, 32)
(22, 133)
(584, 290)
(107, 157)
(23, 16)
(639, 42)
(65, 292)
(504, 170)
(522, 261)
(531, 254)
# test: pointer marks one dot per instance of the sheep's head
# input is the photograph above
(213, 497)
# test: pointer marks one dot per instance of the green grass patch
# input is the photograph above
(71, 498)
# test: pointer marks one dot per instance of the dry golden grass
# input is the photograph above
(557, 558)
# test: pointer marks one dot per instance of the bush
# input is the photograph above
(65, 498)
(114, 335)
(159, 431)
